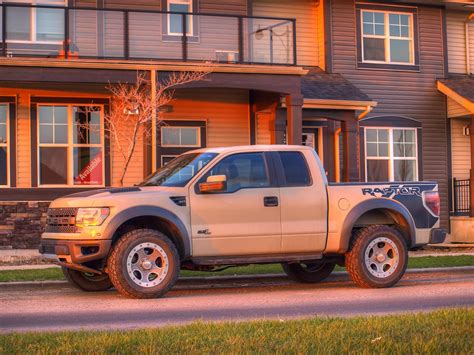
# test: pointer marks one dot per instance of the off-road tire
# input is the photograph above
(87, 282)
(299, 273)
(117, 264)
(355, 258)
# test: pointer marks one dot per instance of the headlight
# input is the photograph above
(91, 216)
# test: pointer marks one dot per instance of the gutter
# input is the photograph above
(340, 104)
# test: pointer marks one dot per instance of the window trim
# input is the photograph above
(190, 28)
(413, 11)
(196, 128)
(33, 25)
(391, 158)
(70, 145)
(7, 144)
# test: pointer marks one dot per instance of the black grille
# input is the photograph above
(61, 220)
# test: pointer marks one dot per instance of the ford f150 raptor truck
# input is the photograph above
(219, 207)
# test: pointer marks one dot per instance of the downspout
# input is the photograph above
(365, 112)
(468, 50)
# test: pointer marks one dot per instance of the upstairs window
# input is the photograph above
(391, 154)
(35, 24)
(387, 37)
(175, 21)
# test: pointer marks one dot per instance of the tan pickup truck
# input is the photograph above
(213, 208)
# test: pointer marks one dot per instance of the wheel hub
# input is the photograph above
(382, 257)
(147, 264)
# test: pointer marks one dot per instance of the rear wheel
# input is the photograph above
(87, 281)
(377, 257)
(308, 272)
(144, 263)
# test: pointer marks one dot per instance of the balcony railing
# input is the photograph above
(461, 197)
(71, 33)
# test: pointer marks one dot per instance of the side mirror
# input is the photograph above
(216, 183)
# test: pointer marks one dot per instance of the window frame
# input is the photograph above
(387, 37)
(70, 145)
(391, 158)
(190, 28)
(196, 128)
(7, 144)
(33, 23)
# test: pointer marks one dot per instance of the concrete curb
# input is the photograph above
(56, 284)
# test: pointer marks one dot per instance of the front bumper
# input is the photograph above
(437, 236)
(74, 251)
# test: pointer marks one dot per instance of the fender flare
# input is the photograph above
(371, 205)
(153, 211)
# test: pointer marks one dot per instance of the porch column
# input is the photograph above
(472, 165)
(294, 118)
(350, 144)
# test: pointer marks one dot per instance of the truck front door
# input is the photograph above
(243, 219)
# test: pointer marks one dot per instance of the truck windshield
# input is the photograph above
(179, 171)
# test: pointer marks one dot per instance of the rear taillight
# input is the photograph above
(432, 202)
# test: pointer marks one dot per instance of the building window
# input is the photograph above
(4, 148)
(175, 21)
(31, 24)
(391, 154)
(185, 137)
(70, 145)
(387, 37)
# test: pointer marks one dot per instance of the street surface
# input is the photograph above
(65, 308)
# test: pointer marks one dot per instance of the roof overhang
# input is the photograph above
(461, 100)
(338, 104)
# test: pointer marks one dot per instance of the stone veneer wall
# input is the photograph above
(21, 224)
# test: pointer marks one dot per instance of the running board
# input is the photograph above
(255, 259)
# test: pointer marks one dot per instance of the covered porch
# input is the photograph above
(459, 91)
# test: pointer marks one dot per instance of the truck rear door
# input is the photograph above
(303, 201)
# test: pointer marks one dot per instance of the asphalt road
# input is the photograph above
(65, 308)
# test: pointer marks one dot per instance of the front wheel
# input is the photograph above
(377, 257)
(308, 272)
(144, 263)
(86, 281)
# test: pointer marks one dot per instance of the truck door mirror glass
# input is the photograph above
(214, 183)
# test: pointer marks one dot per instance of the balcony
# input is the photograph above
(119, 34)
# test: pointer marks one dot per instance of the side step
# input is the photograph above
(255, 259)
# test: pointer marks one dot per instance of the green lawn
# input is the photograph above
(56, 274)
(440, 332)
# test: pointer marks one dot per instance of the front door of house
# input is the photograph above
(175, 137)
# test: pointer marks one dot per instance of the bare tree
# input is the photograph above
(133, 107)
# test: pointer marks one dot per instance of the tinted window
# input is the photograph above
(295, 169)
(247, 170)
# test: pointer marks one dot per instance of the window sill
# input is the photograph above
(387, 66)
(179, 38)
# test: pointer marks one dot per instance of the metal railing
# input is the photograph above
(87, 32)
(461, 197)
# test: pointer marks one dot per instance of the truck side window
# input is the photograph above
(295, 169)
(243, 171)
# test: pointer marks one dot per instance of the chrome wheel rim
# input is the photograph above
(382, 257)
(147, 264)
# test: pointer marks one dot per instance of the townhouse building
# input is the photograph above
(359, 82)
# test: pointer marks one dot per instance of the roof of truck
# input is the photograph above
(251, 148)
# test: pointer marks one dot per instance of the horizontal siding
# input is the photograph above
(404, 93)
(456, 110)
(455, 24)
(460, 149)
(135, 170)
(226, 113)
(306, 14)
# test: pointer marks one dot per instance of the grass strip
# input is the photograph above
(56, 274)
(439, 332)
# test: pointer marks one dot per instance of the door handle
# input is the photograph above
(270, 201)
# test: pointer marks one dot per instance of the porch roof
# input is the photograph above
(459, 88)
(318, 85)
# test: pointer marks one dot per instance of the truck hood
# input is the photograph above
(120, 197)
